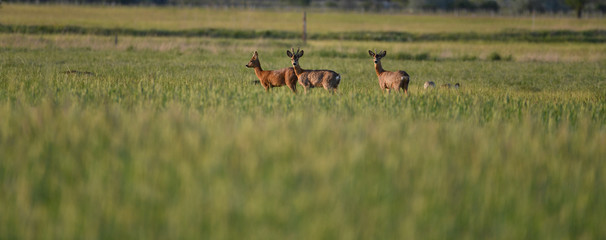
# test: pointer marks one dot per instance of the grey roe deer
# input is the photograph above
(273, 78)
(387, 79)
(313, 78)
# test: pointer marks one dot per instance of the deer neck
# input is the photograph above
(259, 71)
(379, 68)
(298, 70)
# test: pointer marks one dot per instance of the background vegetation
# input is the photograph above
(167, 138)
(176, 19)
(485, 6)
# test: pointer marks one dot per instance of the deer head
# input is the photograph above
(294, 56)
(377, 56)
(254, 61)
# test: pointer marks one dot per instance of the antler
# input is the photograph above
(297, 53)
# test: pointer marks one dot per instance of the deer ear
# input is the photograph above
(371, 53)
(288, 53)
(383, 53)
(301, 53)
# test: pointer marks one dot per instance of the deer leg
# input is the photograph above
(327, 87)
(396, 87)
(308, 85)
(266, 86)
(293, 87)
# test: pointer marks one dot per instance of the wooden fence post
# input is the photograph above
(304, 27)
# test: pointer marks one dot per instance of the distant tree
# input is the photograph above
(491, 6)
(555, 5)
(367, 5)
(129, 2)
(372, 5)
(464, 5)
(304, 3)
(530, 5)
(433, 5)
(415, 4)
(401, 2)
(577, 5)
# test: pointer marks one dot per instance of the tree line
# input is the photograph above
(495, 6)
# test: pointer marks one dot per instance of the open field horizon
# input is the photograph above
(167, 137)
(175, 18)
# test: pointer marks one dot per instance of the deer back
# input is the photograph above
(391, 77)
(280, 77)
(320, 78)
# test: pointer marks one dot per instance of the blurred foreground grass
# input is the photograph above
(177, 144)
(70, 171)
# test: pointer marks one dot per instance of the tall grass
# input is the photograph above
(169, 139)
(105, 172)
(177, 144)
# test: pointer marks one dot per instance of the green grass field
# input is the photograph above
(286, 20)
(169, 139)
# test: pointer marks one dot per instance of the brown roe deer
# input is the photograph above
(273, 78)
(313, 78)
(387, 79)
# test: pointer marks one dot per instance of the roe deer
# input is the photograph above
(79, 72)
(448, 85)
(273, 78)
(429, 84)
(387, 79)
(313, 78)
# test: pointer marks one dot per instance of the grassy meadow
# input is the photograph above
(175, 18)
(168, 138)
